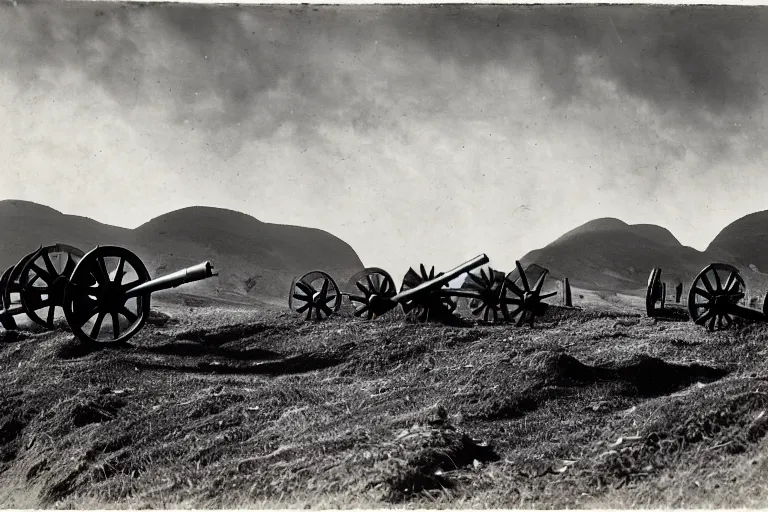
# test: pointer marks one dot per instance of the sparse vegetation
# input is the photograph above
(220, 406)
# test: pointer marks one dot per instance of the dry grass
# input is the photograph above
(244, 407)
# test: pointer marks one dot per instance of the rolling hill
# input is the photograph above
(253, 258)
(744, 241)
(610, 255)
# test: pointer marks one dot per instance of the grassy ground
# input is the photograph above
(228, 406)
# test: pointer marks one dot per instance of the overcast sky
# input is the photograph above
(415, 133)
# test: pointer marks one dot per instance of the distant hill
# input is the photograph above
(24, 226)
(253, 258)
(744, 241)
(611, 255)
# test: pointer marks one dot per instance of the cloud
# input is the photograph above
(406, 130)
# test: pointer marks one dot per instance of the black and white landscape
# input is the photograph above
(598, 142)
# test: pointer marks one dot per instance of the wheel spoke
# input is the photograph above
(356, 298)
(547, 295)
(513, 300)
(718, 284)
(43, 274)
(478, 309)
(360, 310)
(703, 293)
(309, 311)
(115, 325)
(119, 272)
(475, 280)
(84, 309)
(51, 313)
(515, 289)
(523, 278)
(707, 284)
(705, 305)
(324, 289)
(69, 266)
(373, 287)
(328, 311)
(729, 282)
(540, 282)
(301, 297)
(306, 288)
(704, 317)
(49, 265)
(711, 325)
(515, 312)
(128, 314)
(330, 298)
(304, 307)
(363, 289)
(97, 325)
(727, 319)
(101, 271)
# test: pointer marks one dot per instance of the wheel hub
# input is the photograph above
(112, 297)
(720, 301)
(56, 290)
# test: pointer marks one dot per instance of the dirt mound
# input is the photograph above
(434, 453)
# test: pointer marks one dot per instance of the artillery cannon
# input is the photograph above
(313, 291)
(713, 298)
(423, 295)
(98, 289)
(36, 283)
(718, 305)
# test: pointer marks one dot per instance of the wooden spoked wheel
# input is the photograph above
(427, 305)
(367, 288)
(523, 303)
(718, 287)
(315, 292)
(653, 293)
(43, 280)
(488, 304)
(96, 304)
(6, 318)
(12, 285)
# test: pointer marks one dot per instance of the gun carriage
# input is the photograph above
(104, 294)
(713, 298)
(424, 295)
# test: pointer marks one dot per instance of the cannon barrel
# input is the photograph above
(746, 313)
(438, 282)
(195, 273)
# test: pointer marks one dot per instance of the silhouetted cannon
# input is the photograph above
(423, 295)
(111, 283)
(372, 290)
